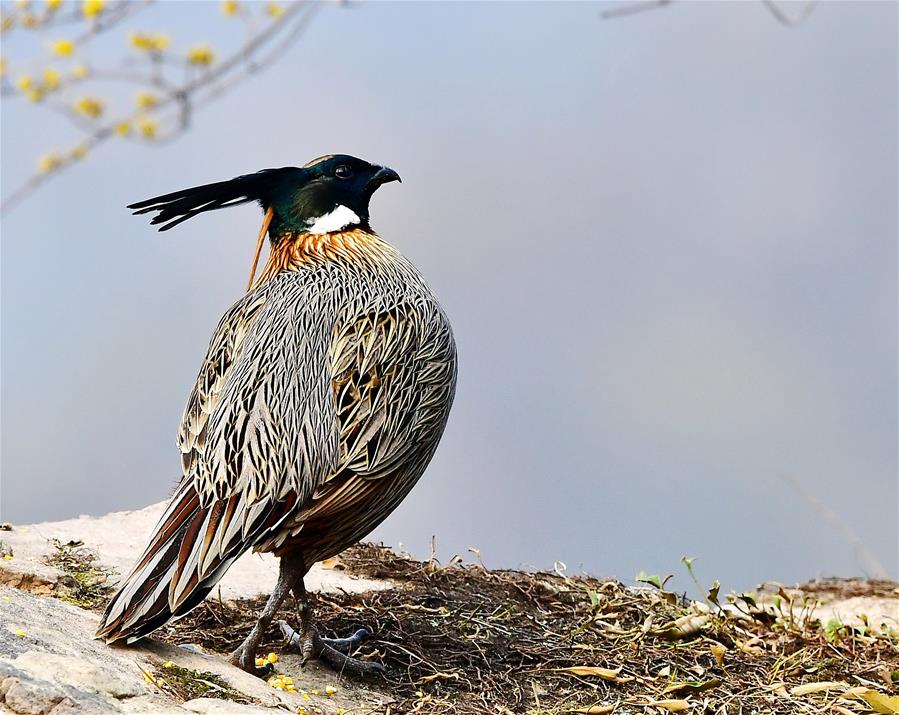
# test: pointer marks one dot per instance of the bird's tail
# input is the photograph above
(171, 209)
(175, 573)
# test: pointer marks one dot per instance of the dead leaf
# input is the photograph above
(691, 686)
(809, 688)
(596, 709)
(674, 706)
(609, 674)
(683, 627)
(880, 702)
(718, 651)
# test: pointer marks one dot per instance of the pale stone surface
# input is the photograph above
(119, 539)
(50, 663)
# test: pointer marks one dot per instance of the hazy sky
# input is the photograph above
(667, 244)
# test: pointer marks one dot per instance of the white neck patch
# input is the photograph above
(337, 220)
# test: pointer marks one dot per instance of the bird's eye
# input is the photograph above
(343, 172)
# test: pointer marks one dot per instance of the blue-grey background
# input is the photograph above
(667, 244)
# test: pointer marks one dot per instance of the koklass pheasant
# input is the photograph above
(321, 400)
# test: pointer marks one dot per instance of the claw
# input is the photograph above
(333, 651)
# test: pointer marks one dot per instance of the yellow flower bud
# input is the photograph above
(53, 5)
(147, 127)
(90, 107)
(274, 9)
(80, 71)
(201, 55)
(145, 100)
(79, 152)
(92, 8)
(230, 7)
(51, 78)
(24, 82)
(63, 48)
(49, 162)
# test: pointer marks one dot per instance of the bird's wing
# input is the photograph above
(224, 348)
(392, 371)
(258, 436)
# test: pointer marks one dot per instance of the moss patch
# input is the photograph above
(86, 585)
(186, 684)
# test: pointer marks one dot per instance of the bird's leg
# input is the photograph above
(290, 572)
(334, 651)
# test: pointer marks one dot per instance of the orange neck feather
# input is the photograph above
(291, 252)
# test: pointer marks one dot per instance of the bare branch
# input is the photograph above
(770, 5)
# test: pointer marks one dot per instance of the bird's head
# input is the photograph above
(328, 194)
(331, 194)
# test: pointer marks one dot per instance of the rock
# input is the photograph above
(212, 706)
(75, 670)
(119, 539)
(50, 663)
(31, 697)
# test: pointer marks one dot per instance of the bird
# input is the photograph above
(321, 400)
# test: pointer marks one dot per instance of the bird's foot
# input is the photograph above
(333, 651)
(245, 659)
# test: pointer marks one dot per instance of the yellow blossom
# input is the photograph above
(145, 100)
(92, 8)
(7, 22)
(80, 71)
(24, 82)
(123, 129)
(7, 557)
(89, 107)
(48, 162)
(63, 48)
(29, 20)
(274, 9)
(341, 711)
(79, 152)
(53, 5)
(51, 78)
(147, 42)
(21, 634)
(272, 658)
(35, 95)
(147, 127)
(201, 55)
(230, 7)
(330, 690)
(2, 66)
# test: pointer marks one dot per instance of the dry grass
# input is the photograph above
(462, 639)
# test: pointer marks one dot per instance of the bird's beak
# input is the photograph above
(384, 175)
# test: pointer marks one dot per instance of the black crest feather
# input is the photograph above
(179, 206)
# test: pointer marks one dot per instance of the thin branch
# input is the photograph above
(770, 5)
(807, 9)
(186, 97)
(866, 558)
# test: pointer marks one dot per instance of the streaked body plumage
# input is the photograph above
(321, 400)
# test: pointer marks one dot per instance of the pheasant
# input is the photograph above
(324, 393)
